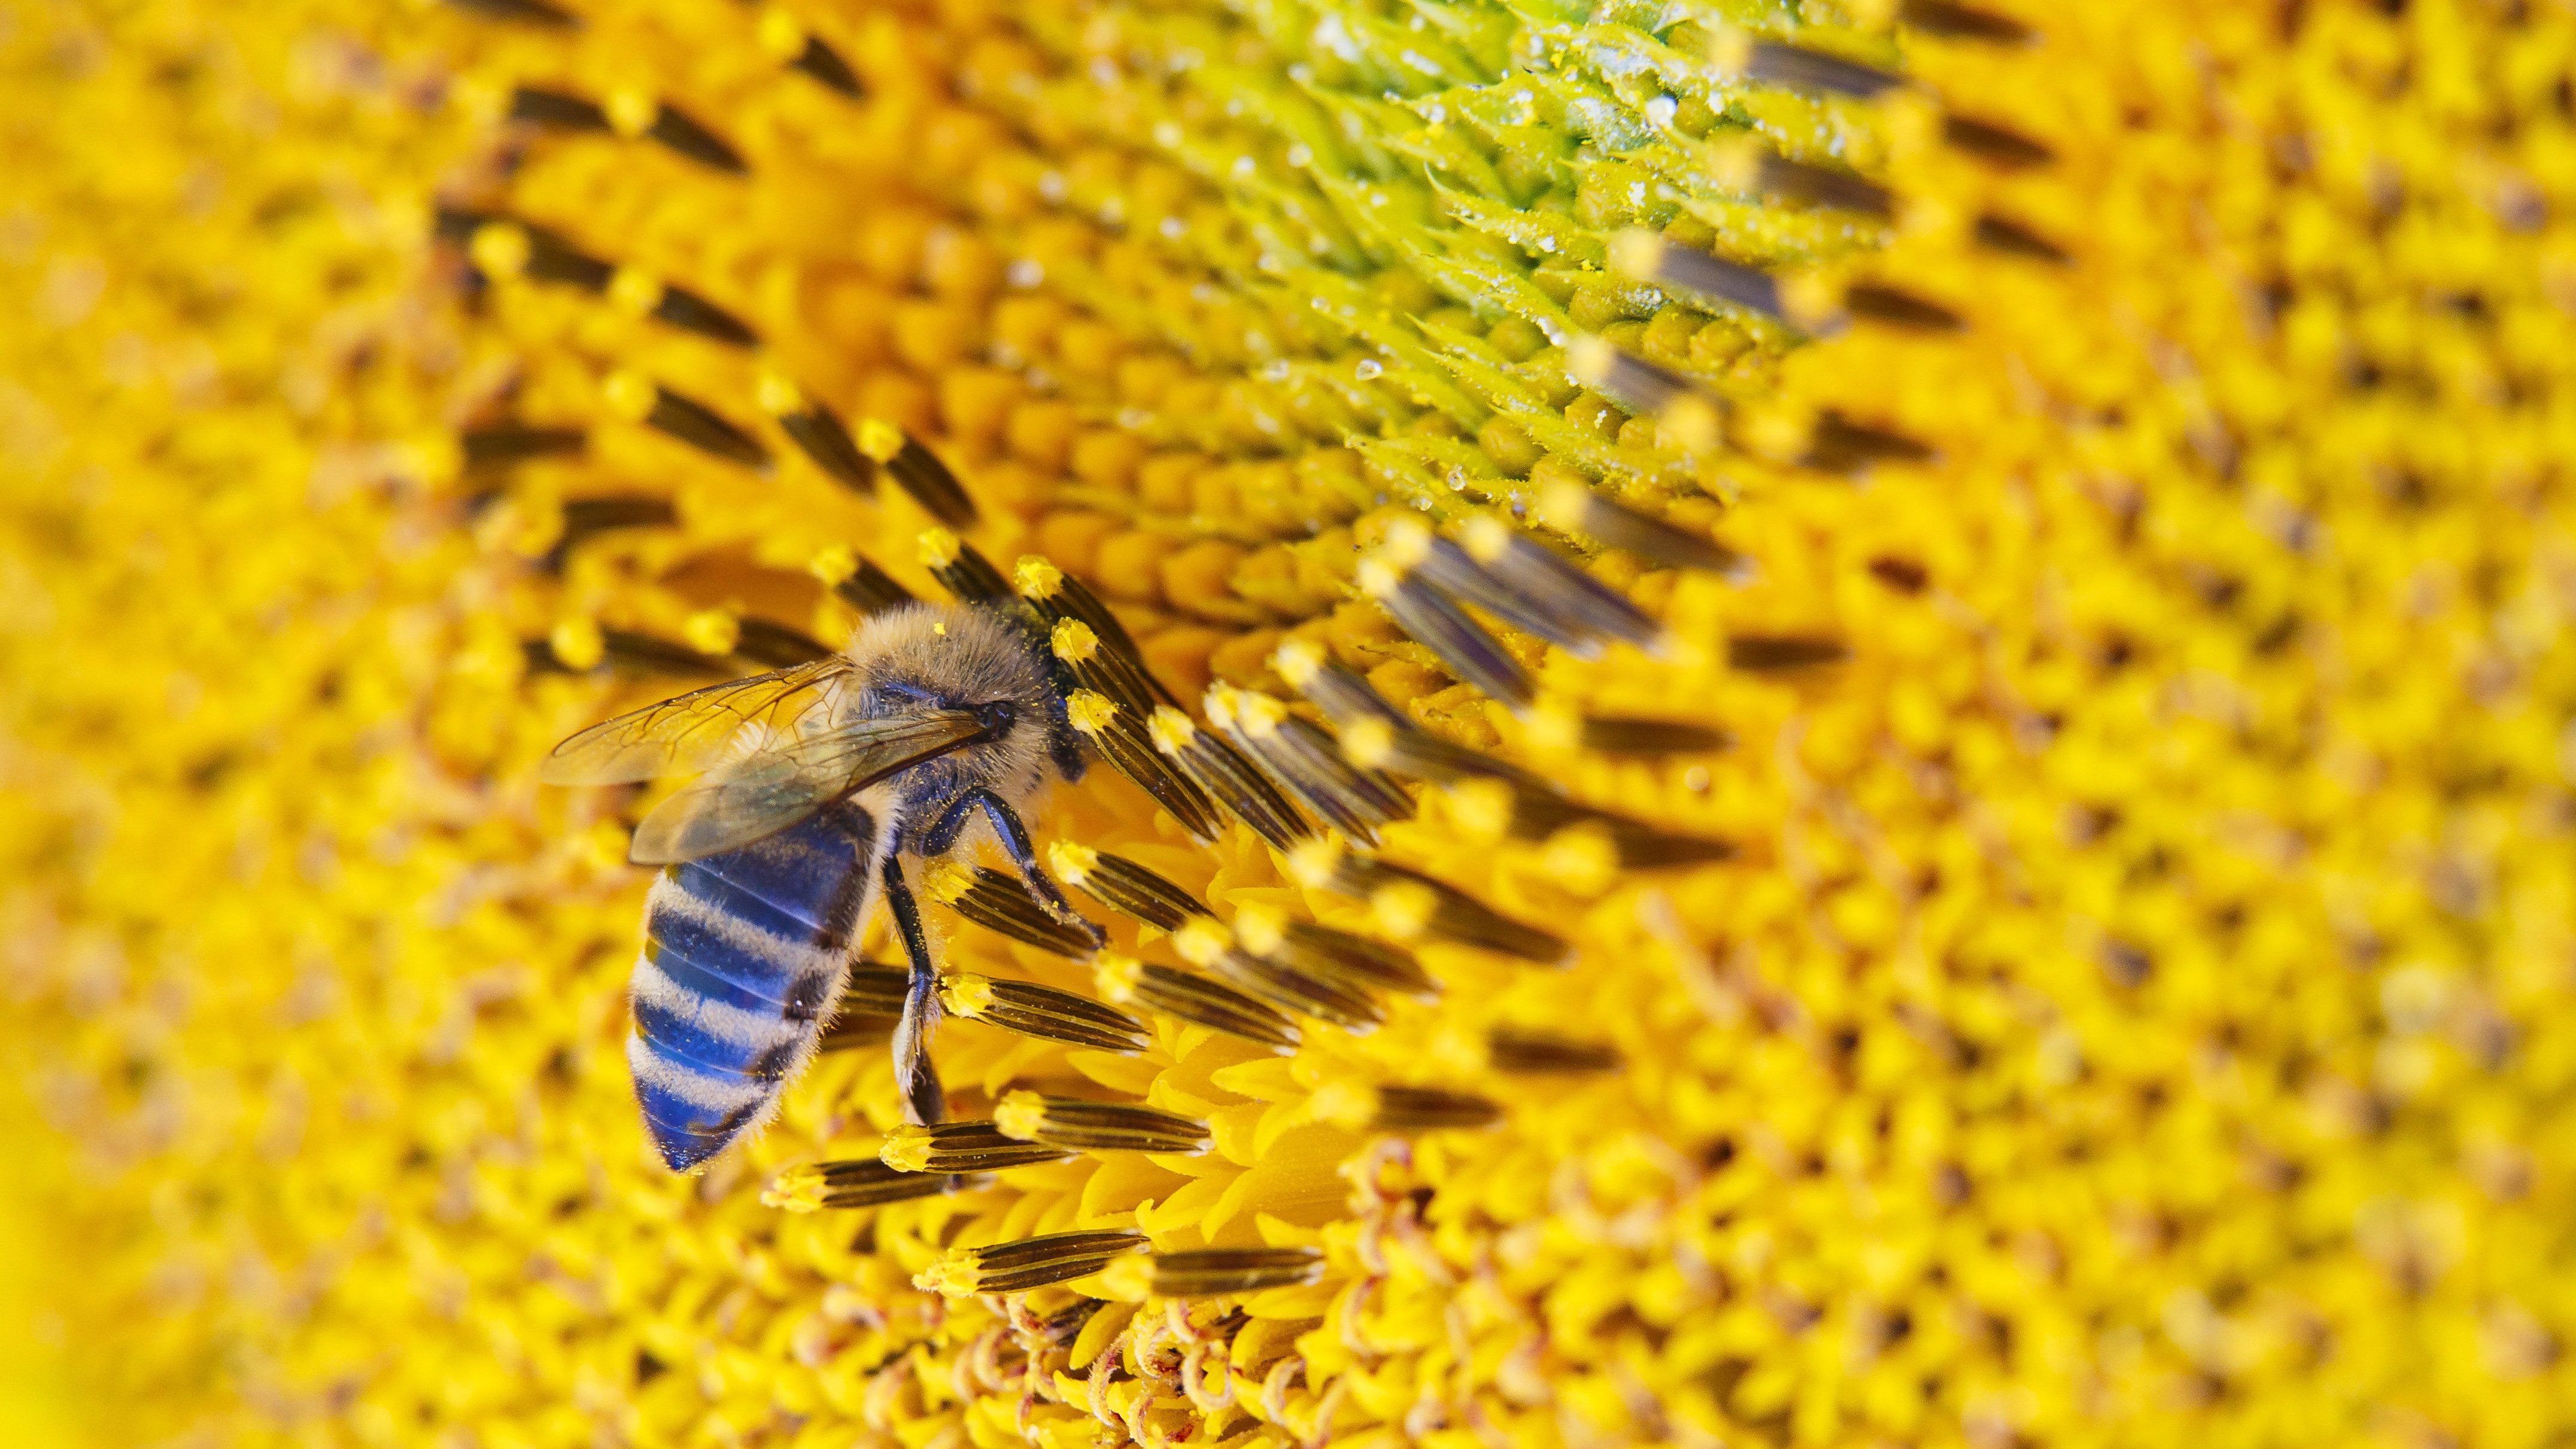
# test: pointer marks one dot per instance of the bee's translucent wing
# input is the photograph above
(690, 732)
(764, 793)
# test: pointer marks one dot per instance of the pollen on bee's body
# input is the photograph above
(960, 1147)
(1042, 1011)
(1027, 1264)
(1097, 1126)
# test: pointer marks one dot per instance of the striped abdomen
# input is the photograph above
(744, 955)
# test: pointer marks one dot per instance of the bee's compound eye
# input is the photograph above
(997, 717)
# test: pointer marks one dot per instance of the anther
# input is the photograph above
(1401, 1109)
(858, 1183)
(1194, 999)
(1124, 886)
(1030, 1263)
(1042, 1011)
(1088, 1126)
(917, 471)
(1213, 1272)
(954, 1147)
(1578, 510)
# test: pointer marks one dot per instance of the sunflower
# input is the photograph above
(1831, 722)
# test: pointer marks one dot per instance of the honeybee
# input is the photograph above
(816, 783)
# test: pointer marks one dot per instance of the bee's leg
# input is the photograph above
(1014, 836)
(923, 1101)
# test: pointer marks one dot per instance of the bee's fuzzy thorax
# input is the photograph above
(942, 656)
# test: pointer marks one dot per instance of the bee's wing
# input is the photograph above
(684, 734)
(764, 793)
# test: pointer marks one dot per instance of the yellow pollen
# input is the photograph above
(1090, 710)
(1170, 729)
(1312, 862)
(1073, 641)
(577, 643)
(634, 291)
(778, 397)
(1402, 910)
(1368, 743)
(945, 881)
(937, 547)
(500, 248)
(965, 994)
(1261, 928)
(1201, 941)
(906, 1149)
(1115, 977)
(632, 112)
(879, 439)
(1020, 1114)
(1073, 863)
(629, 395)
(796, 1190)
(1298, 662)
(1036, 578)
(711, 631)
(834, 563)
(779, 33)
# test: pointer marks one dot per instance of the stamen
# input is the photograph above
(1088, 1126)
(1994, 143)
(1536, 1053)
(1042, 1011)
(817, 431)
(539, 106)
(1649, 258)
(1577, 509)
(1651, 737)
(1123, 885)
(953, 1147)
(1408, 904)
(1843, 446)
(825, 64)
(1461, 644)
(954, 562)
(1122, 739)
(918, 471)
(1223, 772)
(1940, 17)
(1194, 999)
(1211, 1272)
(1401, 1109)
(1352, 800)
(1341, 693)
(776, 646)
(1781, 651)
(998, 903)
(857, 1183)
(1083, 626)
(686, 419)
(1573, 603)
(2006, 235)
(675, 130)
(584, 517)
(1407, 749)
(1021, 1266)
(1732, 52)
(1321, 951)
(1900, 309)
(860, 584)
(507, 443)
(526, 12)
